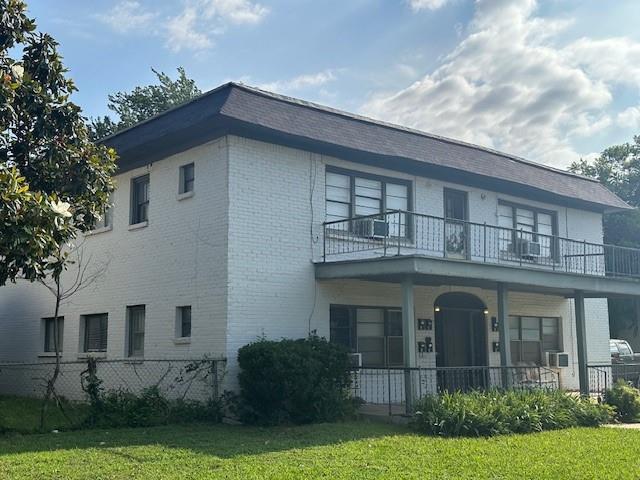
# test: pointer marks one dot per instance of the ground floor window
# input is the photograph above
(374, 332)
(50, 338)
(531, 337)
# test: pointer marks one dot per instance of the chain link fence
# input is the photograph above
(187, 379)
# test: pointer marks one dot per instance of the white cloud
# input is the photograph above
(300, 82)
(417, 5)
(508, 85)
(629, 118)
(183, 33)
(126, 16)
(201, 20)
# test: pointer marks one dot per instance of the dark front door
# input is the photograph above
(455, 218)
(460, 349)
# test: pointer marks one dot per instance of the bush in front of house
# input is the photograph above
(626, 400)
(121, 408)
(294, 381)
(485, 414)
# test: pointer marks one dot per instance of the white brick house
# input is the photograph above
(496, 248)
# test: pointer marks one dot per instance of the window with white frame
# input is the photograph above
(50, 337)
(187, 178)
(353, 194)
(527, 223)
(135, 330)
(106, 219)
(95, 332)
(139, 199)
(183, 321)
(531, 337)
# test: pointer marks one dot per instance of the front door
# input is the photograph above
(460, 346)
(455, 227)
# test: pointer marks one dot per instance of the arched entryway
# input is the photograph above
(461, 340)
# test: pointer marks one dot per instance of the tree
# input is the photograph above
(145, 102)
(618, 168)
(54, 182)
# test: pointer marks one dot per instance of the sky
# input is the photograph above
(549, 80)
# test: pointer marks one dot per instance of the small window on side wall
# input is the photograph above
(50, 336)
(135, 320)
(187, 178)
(139, 199)
(183, 321)
(95, 333)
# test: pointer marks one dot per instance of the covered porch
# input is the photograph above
(468, 326)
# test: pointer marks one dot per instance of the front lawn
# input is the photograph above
(332, 451)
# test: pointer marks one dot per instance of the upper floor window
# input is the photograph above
(106, 219)
(187, 177)
(353, 194)
(531, 230)
(140, 199)
(95, 332)
(50, 337)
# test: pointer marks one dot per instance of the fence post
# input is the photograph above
(214, 379)
(324, 243)
(584, 256)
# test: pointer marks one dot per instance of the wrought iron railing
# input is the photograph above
(386, 387)
(400, 232)
(603, 376)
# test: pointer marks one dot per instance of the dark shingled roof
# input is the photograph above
(246, 111)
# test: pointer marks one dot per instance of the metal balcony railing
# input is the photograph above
(401, 232)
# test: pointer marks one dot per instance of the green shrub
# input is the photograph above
(499, 412)
(294, 381)
(120, 408)
(625, 399)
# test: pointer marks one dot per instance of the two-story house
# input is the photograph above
(244, 214)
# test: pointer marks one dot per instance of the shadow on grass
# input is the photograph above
(22, 415)
(224, 441)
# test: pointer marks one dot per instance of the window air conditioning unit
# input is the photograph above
(557, 359)
(525, 248)
(356, 359)
(372, 228)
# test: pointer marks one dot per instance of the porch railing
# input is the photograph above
(603, 376)
(401, 232)
(384, 388)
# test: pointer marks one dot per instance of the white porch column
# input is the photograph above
(503, 332)
(409, 338)
(581, 337)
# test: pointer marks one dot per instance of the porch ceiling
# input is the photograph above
(437, 271)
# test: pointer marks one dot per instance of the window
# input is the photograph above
(374, 332)
(187, 177)
(49, 334)
(351, 194)
(531, 337)
(107, 217)
(95, 332)
(528, 223)
(135, 318)
(139, 199)
(183, 322)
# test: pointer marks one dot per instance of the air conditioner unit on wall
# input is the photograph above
(356, 359)
(372, 228)
(525, 248)
(557, 359)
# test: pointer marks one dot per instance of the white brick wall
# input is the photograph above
(178, 259)
(241, 252)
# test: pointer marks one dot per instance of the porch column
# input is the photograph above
(581, 337)
(409, 338)
(503, 332)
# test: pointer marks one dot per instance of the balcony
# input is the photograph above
(401, 233)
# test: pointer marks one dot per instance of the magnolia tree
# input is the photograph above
(54, 182)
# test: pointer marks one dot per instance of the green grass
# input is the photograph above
(22, 414)
(332, 451)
